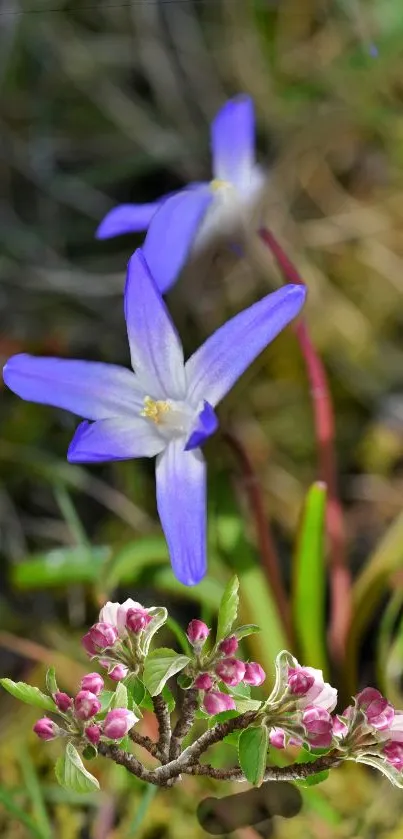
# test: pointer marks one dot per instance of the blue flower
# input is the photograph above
(166, 407)
(236, 186)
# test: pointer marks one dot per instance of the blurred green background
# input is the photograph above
(108, 102)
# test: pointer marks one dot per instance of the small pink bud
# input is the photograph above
(88, 644)
(63, 701)
(215, 702)
(378, 711)
(277, 738)
(86, 705)
(340, 728)
(231, 671)
(229, 645)
(299, 681)
(319, 726)
(93, 733)
(197, 631)
(203, 682)
(92, 682)
(137, 620)
(118, 722)
(393, 752)
(254, 674)
(103, 635)
(46, 729)
(119, 672)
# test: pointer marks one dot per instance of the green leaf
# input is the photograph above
(159, 666)
(71, 772)
(223, 716)
(105, 698)
(90, 752)
(120, 697)
(135, 689)
(185, 682)
(60, 567)
(309, 580)
(14, 808)
(243, 705)
(51, 683)
(159, 616)
(28, 694)
(313, 780)
(252, 752)
(247, 629)
(228, 610)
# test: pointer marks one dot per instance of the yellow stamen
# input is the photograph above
(218, 184)
(154, 410)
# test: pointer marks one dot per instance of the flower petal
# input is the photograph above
(214, 368)
(233, 141)
(206, 425)
(181, 501)
(114, 439)
(127, 218)
(87, 388)
(171, 233)
(155, 347)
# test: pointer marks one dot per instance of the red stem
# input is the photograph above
(340, 577)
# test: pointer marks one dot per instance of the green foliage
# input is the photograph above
(160, 665)
(253, 744)
(72, 774)
(28, 694)
(228, 610)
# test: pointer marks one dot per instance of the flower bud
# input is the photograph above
(137, 620)
(118, 722)
(63, 701)
(118, 672)
(230, 670)
(277, 738)
(203, 682)
(299, 681)
(254, 674)
(93, 733)
(340, 728)
(229, 645)
(215, 702)
(86, 705)
(197, 632)
(378, 711)
(393, 751)
(319, 726)
(103, 635)
(92, 682)
(46, 729)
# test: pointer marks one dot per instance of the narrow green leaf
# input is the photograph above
(309, 580)
(51, 683)
(72, 774)
(159, 616)
(60, 567)
(160, 665)
(34, 789)
(10, 804)
(28, 694)
(228, 610)
(244, 631)
(252, 752)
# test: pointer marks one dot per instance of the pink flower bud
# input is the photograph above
(197, 631)
(103, 636)
(299, 681)
(88, 644)
(254, 674)
(137, 620)
(215, 702)
(46, 729)
(203, 682)
(118, 722)
(231, 671)
(118, 672)
(393, 752)
(229, 645)
(319, 726)
(86, 705)
(378, 711)
(93, 733)
(92, 682)
(63, 701)
(277, 738)
(340, 728)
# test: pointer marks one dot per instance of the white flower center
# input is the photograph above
(173, 419)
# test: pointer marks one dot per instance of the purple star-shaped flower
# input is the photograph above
(166, 407)
(237, 183)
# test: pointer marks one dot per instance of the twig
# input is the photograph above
(185, 721)
(267, 548)
(294, 772)
(164, 725)
(145, 742)
(340, 577)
